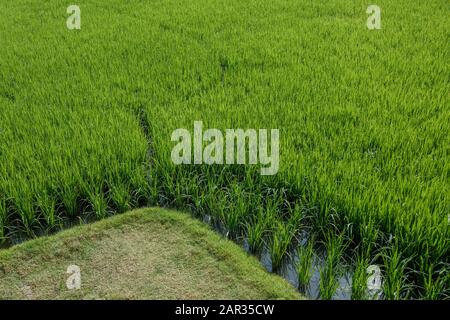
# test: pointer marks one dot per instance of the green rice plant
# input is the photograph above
(121, 197)
(69, 196)
(256, 231)
(147, 192)
(237, 210)
(282, 236)
(257, 228)
(331, 270)
(305, 263)
(369, 233)
(435, 281)
(435, 284)
(47, 207)
(328, 283)
(25, 209)
(217, 203)
(359, 278)
(395, 281)
(99, 205)
(3, 220)
(295, 218)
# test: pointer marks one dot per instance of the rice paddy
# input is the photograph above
(86, 118)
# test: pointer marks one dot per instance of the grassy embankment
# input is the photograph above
(145, 254)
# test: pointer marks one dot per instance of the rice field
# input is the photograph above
(364, 120)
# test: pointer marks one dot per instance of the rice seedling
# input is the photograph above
(256, 231)
(121, 197)
(369, 233)
(359, 279)
(281, 232)
(434, 284)
(331, 270)
(236, 211)
(305, 263)
(47, 208)
(282, 235)
(3, 220)
(435, 281)
(99, 205)
(395, 285)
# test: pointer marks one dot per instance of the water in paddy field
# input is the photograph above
(289, 271)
